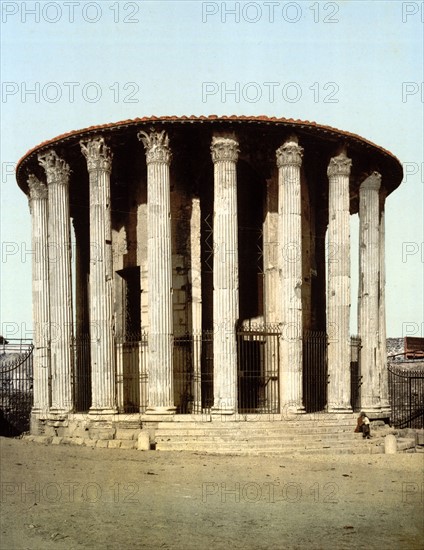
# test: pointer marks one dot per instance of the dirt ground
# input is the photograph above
(65, 497)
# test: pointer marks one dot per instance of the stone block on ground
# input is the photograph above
(143, 442)
(129, 444)
(390, 444)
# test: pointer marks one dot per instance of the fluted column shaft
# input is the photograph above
(368, 308)
(384, 378)
(38, 202)
(102, 352)
(289, 160)
(225, 274)
(338, 293)
(57, 172)
(159, 267)
(196, 302)
(272, 293)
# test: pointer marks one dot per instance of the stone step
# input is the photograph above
(258, 424)
(252, 433)
(255, 441)
(289, 449)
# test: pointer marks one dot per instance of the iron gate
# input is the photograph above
(355, 373)
(16, 386)
(315, 379)
(406, 386)
(257, 376)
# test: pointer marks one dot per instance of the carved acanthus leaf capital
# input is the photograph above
(224, 149)
(372, 182)
(37, 189)
(339, 166)
(156, 145)
(97, 153)
(57, 170)
(289, 154)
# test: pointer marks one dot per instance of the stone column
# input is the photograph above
(40, 294)
(159, 267)
(195, 279)
(57, 172)
(338, 293)
(102, 349)
(225, 274)
(289, 160)
(272, 293)
(368, 308)
(384, 377)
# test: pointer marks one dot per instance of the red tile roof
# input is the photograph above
(192, 118)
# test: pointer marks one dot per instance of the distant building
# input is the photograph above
(211, 270)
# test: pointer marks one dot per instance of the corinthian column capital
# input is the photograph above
(372, 182)
(339, 166)
(156, 145)
(97, 153)
(224, 149)
(37, 189)
(289, 154)
(57, 170)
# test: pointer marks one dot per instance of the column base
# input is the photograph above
(100, 411)
(40, 413)
(161, 410)
(221, 411)
(386, 412)
(339, 410)
(58, 415)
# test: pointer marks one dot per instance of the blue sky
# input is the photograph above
(354, 65)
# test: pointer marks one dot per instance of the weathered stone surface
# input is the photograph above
(289, 160)
(101, 434)
(159, 266)
(99, 163)
(368, 295)
(40, 293)
(60, 288)
(390, 444)
(143, 442)
(338, 297)
(225, 273)
(114, 444)
(126, 434)
(128, 444)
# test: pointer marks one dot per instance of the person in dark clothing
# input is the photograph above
(363, 426)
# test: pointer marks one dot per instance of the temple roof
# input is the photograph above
(316, 128)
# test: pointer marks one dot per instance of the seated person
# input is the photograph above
(363, 426)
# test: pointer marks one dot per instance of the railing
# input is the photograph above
(258, 385)
(406, 387)
(131, 373)
(16, 386)
(258, 359)
(355, 373)
(315, 379)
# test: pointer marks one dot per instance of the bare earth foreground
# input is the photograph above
(66, 497)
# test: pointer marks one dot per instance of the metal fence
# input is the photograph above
(82, 373)
(355, 373)
(257, 374)
(406, 387)
(131, 373)
(16, 386)
(315, 378)
(258, 387)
